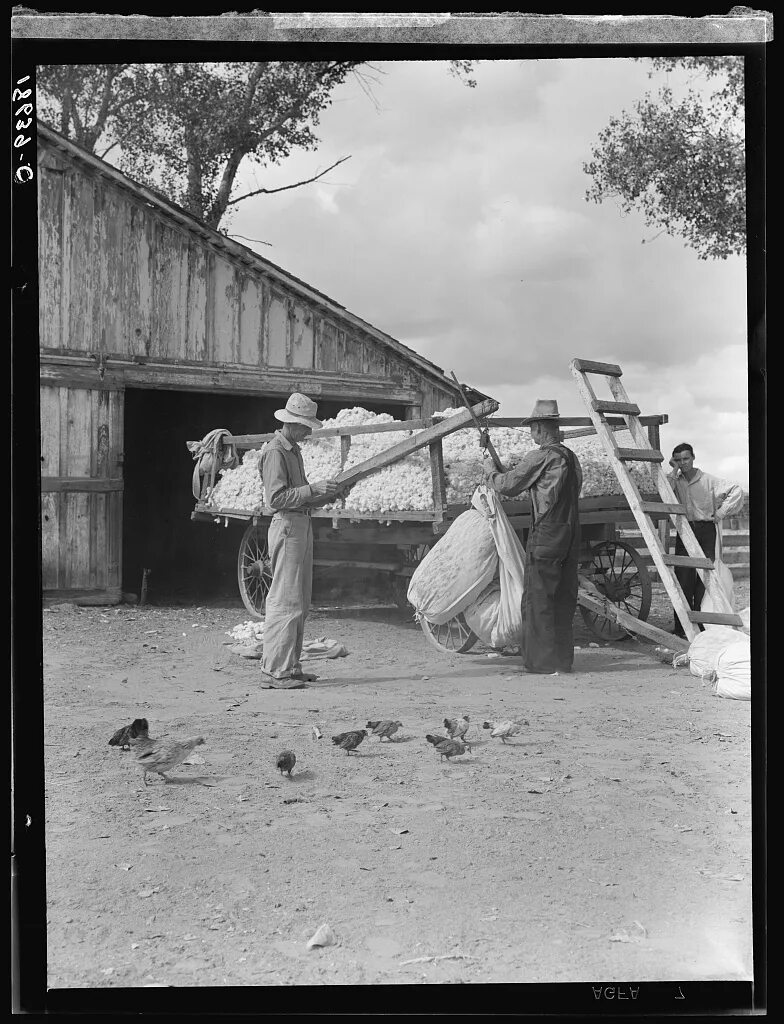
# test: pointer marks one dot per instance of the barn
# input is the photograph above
(154, 329)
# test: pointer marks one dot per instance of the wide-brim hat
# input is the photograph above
(545, 409)
(299, 409)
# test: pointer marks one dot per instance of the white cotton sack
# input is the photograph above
(482, 614)
(456, 570)
(733, 671)
(706, 647)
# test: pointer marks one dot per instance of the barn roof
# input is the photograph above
(247, 256)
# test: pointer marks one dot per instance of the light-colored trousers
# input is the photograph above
(290, 541)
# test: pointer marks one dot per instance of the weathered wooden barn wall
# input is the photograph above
(136, 293)
(81, 488)
(123, 279)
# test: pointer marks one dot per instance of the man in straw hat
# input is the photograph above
(553, 475)
(290, 541)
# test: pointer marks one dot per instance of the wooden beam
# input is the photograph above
(438, 476)
(576, 421)
(414, 443)
(663, 507)
(590, 598)
(639, 455)
(71, 484)
(629, 408)
(691, 561)
(716, 618)
(591, 366)
(272, 381)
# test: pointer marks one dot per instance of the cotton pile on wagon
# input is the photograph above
(406, 486)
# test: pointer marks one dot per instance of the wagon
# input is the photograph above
(394, 542)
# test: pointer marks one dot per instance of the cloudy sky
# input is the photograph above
(460, 227)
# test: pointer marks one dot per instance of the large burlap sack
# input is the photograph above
(511, 569)
(456, 570)
(482, 614)
(705, 648)
(733, 670)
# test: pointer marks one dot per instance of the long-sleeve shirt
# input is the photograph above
(283, 475)
(705, 495)
(542, 471)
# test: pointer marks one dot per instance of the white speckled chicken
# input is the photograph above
(161, 755)
(456, 728)
(506, 729)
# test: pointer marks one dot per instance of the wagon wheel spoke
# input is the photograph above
(254, 575)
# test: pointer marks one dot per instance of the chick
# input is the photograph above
(506, 729)
(456, 728)
(385, 728)
(446, 747)
(349, 741)
(286, 761)
(122, 738)
(161, 755)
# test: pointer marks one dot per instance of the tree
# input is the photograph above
(184, 129)
(681, 161)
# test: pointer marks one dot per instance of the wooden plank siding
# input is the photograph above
(122, 277)
(81, 488)
(136, 293)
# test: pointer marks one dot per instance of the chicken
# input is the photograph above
(286, 761)
(386, 728)
(349, 741)
(456, 728)
(506, 729)
(448, 747)
(122, 738)
(161, 755)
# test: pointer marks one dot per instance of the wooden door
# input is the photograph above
(81, 491)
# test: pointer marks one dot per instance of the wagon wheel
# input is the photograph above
(411, 556)
(254, 573)
(621, 576)
(455, 635)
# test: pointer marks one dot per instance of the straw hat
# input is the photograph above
(545, 409)
(299, 409)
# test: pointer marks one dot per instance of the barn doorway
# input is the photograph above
(189, 562)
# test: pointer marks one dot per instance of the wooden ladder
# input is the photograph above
(619, 457)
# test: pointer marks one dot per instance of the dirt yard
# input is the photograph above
(611, 839)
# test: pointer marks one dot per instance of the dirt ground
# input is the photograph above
(611, 839)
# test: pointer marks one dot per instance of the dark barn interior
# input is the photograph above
(188, 561)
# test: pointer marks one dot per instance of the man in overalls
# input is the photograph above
(290, 541)
(554, 478)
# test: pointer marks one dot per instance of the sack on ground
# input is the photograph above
(705, 648)
(733, 670)
(455, 570)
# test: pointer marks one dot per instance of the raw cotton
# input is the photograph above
(406, 486)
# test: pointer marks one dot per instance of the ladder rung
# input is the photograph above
(640, 455)
(589, 366)
(600, 405)
(660, 506)
(716, 618)
(694, 563)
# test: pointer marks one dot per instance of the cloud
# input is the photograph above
(460, 227)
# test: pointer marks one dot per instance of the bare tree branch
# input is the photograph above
(284, 188)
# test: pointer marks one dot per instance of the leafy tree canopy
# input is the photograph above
(184, 129)
(681, 160)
